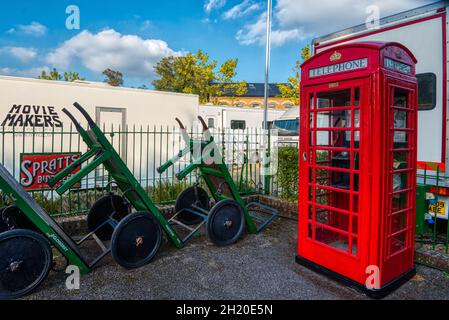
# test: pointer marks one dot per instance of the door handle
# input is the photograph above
(304, 156)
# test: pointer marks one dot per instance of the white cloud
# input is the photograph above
(301, 19)
(280, 37)
(34, 29)
(242, 9)
(20, 53)
(133, 56)
(28, 73)
(255, 34)
(210, 5)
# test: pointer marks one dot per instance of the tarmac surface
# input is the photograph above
(257, 267)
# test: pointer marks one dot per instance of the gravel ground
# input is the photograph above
(257, 267)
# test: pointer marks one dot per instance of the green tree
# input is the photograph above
(225, 83)
(55, 75)
(196, 73)
(113, 78)
(290, 90)
(306, 53)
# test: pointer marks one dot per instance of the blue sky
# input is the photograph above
(132, 35)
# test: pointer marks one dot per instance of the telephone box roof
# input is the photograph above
(376, 45)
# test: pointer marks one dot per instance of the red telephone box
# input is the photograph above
(358, 154)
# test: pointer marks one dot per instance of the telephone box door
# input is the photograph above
(332, 156)
(399, 221)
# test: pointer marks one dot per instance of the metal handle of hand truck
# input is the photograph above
(80, 129)
(83, 111)
(75, 122)
(173, 160)
(187, 170)
(184, 134)
(206, 131)
(203, 123)
(165, 166)
(181, 125)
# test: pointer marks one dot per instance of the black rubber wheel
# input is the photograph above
(25, 260)
(136, 240)
(3, 226)
(226, 223)
(16, 219)
(190, 197)
(105, 208)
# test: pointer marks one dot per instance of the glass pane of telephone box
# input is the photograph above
(400, 201)
(398, 242)
(337, 118)
(332, 99)
(331, 238)
(323, 158)
(400, 119)
(334, 139)
(400, 98)
(336, 179)
(340, 199)
(399, 222)
(332, 219)
(311, 211)
(357, 97)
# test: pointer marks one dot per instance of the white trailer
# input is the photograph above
(235, 118)
(288, 128)
(32, 121)
(32, 102)
(242, 131)
(424, 31)
(140, 123)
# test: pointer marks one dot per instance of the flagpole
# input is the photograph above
(267, 78)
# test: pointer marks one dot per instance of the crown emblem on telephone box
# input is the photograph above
(336, 56)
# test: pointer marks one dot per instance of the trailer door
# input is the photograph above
(113, 122)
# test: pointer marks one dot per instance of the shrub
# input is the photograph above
(288, 173)
(166, 192)
(79, 202)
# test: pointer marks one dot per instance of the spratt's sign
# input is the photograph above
(32, 116)
(36, 169)
(339, 67)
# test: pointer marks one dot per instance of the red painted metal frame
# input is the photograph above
(374, 212)
(441, 14)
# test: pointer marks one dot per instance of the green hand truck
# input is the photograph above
(133, 239)
(26, 256)
(28, 231)
(226, 219)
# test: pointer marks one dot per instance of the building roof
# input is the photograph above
(256, 90)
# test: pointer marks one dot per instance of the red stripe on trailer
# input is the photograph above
(444, 106)
(432, 166)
